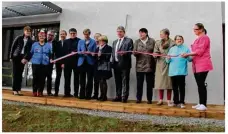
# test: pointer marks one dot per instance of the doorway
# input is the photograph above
(9, 34)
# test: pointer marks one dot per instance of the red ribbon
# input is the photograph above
(119, 52)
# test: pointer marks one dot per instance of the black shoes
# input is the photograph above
(68, 95)
(81, 97)
(103, 98)
(56, 95)
(88, 98)
(50, 94)
(124, 100)
(95, 97)
(75, 95)
(117, 99)
(138, 101)
(149, 102)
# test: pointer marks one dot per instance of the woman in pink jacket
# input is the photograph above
(201, 63)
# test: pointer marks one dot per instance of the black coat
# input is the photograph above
(103, 63)
(17, 46)
(124, 61)
(70, 45)
(57, 50)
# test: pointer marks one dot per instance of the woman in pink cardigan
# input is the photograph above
(201, 63)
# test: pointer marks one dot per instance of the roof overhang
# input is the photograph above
(23, 9)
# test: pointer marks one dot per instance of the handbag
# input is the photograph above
(104, 66)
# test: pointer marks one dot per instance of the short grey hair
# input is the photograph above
(166, 31)
(64, 31)
(51, 31)
(121, 28)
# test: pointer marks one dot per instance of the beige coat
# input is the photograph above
(162, 80)
(144, 63)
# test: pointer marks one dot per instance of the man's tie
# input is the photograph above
(118, 47)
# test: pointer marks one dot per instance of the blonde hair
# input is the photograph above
(86, 31)
(103, 38)
(97, 34)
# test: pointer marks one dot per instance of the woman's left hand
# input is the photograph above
(184, 55)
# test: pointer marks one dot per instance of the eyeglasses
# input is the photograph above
(50, 35)
(195, 29)
(72, 33)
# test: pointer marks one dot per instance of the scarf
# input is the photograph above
(165, 44)
(101, 47)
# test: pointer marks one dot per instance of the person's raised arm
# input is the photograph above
(200, 48)
(189, 58)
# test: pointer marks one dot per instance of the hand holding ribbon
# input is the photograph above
(119, 52)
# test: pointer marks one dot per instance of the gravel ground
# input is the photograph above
(164, 120)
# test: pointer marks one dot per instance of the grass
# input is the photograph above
(32, 119)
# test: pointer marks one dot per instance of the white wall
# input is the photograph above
(178, 17)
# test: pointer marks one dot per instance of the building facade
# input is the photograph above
(178, 17)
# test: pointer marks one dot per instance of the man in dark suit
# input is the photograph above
(122, 64)
(19, 54)
(52, 42)
(57, 53)
(71, 45)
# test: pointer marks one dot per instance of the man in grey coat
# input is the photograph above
(121, 60)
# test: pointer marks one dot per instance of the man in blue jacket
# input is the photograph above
(86, 62)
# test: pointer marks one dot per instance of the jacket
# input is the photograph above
(17, 46)
(103, 69)
(178, 65)
(40, 54)
(144, 63)
(57, 50)
(162, 80)
(70, 45)
(124, 61)
(103, 62)
(82, 48)
(202, 61)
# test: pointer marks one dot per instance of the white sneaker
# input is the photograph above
(201, 108)
(182, 106)
(170, 104)
(196, 106)
(15, 93)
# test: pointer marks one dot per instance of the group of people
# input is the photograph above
(164, 63)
